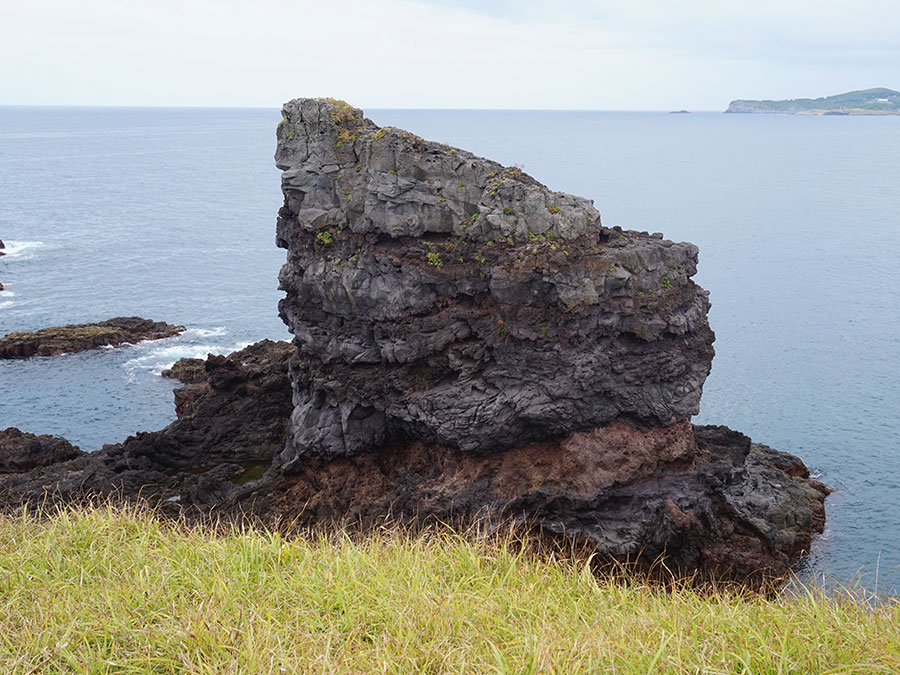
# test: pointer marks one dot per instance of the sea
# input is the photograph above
(169, 214)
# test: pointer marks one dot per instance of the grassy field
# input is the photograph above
(104, 590)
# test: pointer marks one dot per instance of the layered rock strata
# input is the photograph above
(706, 497)
(79, 337)
(458, 319)
(439, 296)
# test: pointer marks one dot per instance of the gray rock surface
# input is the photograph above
(440, 296)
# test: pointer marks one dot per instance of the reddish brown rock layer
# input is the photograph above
(705, 497)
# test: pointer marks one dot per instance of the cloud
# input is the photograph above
(437, 53)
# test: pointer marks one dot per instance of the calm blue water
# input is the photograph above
(169, 214)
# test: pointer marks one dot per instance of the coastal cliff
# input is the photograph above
(468, 345)
(879, 101)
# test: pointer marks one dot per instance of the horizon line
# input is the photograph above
(258, 107)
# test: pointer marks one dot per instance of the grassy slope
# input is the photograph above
(109, 591)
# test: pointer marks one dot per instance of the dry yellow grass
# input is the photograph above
(105, 590)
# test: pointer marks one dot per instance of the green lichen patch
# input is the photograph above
(346, 119)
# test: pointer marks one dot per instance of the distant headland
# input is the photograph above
(878, 101)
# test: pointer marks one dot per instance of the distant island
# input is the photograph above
(878, 101)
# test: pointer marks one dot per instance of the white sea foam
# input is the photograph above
(19, 249)
(6, 304)
(158, 357)
(217, 331)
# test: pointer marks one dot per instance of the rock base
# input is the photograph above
(707, 499)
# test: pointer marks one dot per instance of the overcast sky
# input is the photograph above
(566, 54)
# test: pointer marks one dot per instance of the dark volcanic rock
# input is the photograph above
(78, 337)
(468, 345)
(230, 424)
(21, 451)
(187, 370)
(711, 503)
(439, 296)
(705, 496)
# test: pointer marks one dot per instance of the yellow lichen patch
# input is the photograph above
(346, 119)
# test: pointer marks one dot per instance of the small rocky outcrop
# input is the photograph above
(187, 370)
(228, 429)
(21, 452)
(79, 337)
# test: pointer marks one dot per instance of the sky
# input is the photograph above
(506, 54)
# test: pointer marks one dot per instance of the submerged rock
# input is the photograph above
(79, 337)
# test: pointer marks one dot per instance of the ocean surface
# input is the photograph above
(169, 214)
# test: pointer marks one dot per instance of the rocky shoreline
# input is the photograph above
(469, 346)
(706, 497)
(79, 337)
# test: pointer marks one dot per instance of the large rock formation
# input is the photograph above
(82, 336)
(439, 296)
(469, 340)
(468, 344)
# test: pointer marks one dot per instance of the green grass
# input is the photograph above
(102, 590)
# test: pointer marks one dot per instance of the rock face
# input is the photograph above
(442, 297)
(78, 337)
